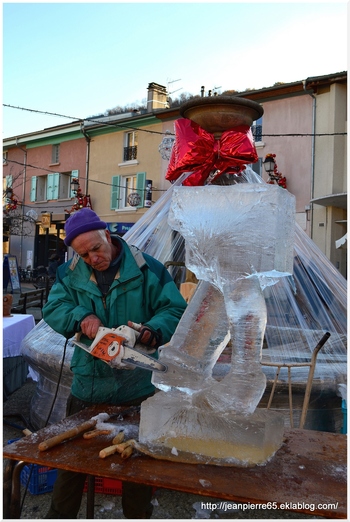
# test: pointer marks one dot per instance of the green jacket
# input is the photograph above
(142, 292)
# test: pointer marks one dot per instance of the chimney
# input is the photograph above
(157, 97)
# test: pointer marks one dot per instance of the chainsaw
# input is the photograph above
(116, 347)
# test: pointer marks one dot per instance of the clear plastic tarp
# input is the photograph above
(43, 349)
(300, 308)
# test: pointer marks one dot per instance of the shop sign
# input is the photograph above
(119, 228)
(46, 220)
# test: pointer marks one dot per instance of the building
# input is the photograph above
(39, 168)
(305, 125)
(117, 162)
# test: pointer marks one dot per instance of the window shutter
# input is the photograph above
(140, 186)
(115, 192)
(33, 189)
(74, 174)
(50, 186)
(56, 179)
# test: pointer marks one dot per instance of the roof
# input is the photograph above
(300, 87)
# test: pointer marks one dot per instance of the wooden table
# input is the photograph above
(308, 471)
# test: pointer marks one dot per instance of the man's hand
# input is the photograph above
(90, 325)
(146, 335)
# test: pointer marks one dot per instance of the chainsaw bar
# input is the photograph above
(142, 360)
(130, 355)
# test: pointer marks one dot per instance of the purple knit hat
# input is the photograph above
(82, 221)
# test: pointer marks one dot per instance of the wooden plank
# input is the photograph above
(308, 470)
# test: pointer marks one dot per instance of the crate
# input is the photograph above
(41, 478)
(12, 440)
(345, 416)
(106, 486)
(14, 374)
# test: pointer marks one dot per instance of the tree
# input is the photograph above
(182, 98)
(15, 222)
(231, 92)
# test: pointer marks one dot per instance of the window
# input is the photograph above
(257, 167)
(257, 130)
(7, 182)
(53, 186)
(130, 146)
(64, 190)
(41, 182)
(128, 191)
(6, 188)
(55, 154)
(4, 158)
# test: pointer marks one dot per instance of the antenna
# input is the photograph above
(215, 89)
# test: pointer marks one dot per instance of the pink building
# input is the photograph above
(39, 167)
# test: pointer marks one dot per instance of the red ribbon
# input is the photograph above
(198, 151)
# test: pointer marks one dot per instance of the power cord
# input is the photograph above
(58, 382)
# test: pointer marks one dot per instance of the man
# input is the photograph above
(53, 265)
(108, 283)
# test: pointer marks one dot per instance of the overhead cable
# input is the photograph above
(111, 124)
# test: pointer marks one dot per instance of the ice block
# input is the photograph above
(239, 239)
(172, 428)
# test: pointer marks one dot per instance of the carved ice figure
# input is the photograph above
(239, 239)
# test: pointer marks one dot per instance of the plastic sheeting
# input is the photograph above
(43, 349)
(153, 235)
(300, 308)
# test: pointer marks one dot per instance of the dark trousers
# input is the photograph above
(68, 489)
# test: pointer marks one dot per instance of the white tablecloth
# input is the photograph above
(14, 330)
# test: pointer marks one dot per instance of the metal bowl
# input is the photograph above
(217, 114)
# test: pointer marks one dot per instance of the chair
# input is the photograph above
(289, 366)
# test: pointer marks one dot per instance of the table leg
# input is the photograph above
(7, 487)
(12, 489)
(90, 497)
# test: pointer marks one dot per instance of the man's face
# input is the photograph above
(95, 248)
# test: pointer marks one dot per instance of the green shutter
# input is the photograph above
(49, 186)
(56, 180)
(140, 186)
(52, 186)
(115, 192)
(74, 174)
(33, 189)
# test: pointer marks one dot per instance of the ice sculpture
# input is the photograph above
(239, 239)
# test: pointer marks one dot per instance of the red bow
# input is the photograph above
(198, 151)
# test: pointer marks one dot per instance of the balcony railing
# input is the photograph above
(130, 153)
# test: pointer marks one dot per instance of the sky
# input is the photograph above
(81, 59)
